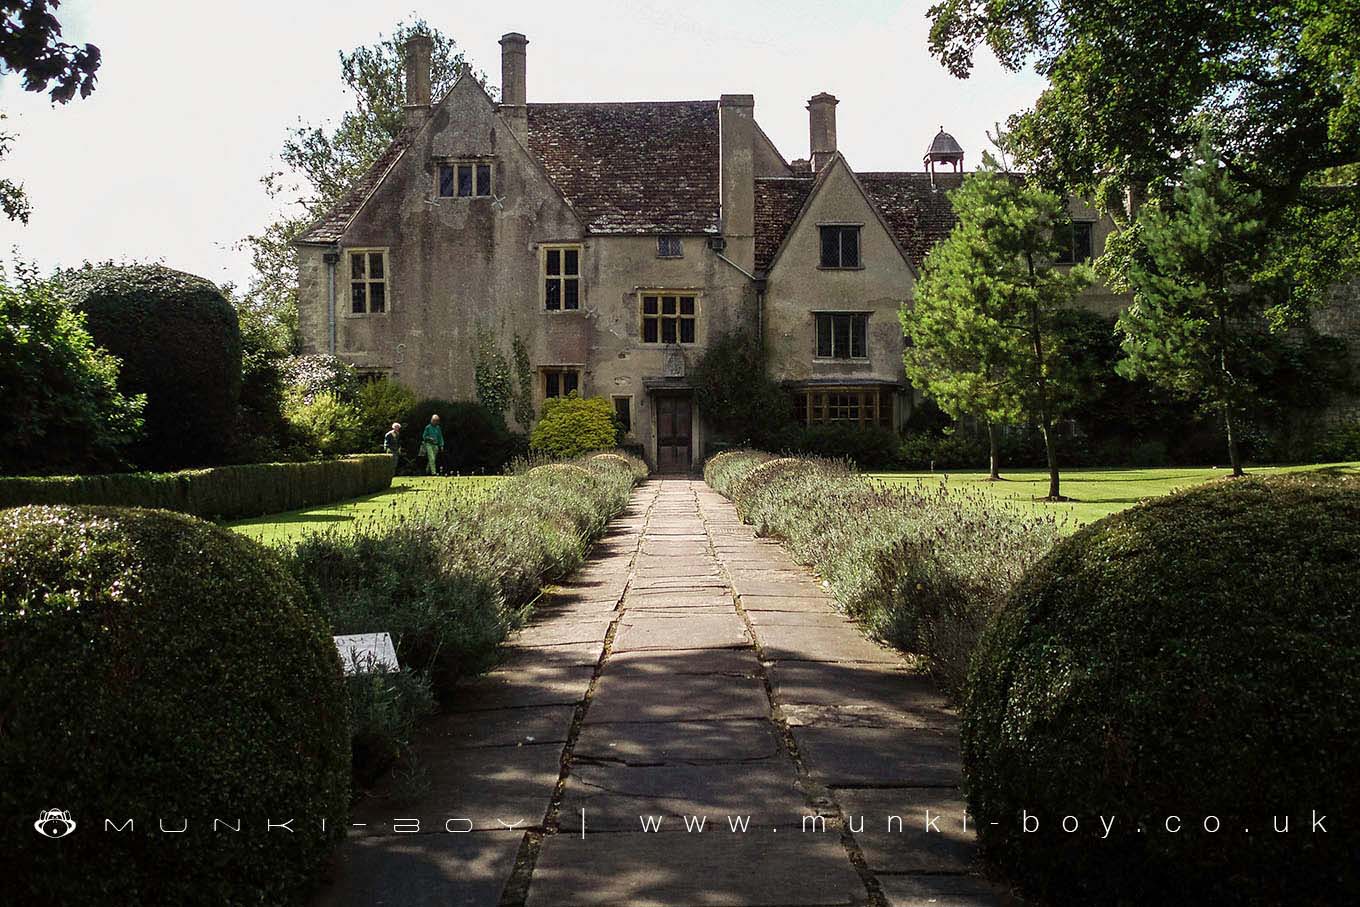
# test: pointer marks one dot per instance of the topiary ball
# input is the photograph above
(157, 671)
(1190, 667)
(180, 344)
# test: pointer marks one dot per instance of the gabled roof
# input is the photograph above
(915, 206)
(333, 224)
(778, 201)
(634, 167)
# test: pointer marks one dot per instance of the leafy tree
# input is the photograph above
(1196, 310)
(62, 408)
(736, 394)
(1133, 84)
(321, 162)
(981, 332)
(30, 45)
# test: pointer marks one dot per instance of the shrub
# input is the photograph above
(384, 708)
(1338, 444)
(870, 448)
(322, 373)
(1194, 656)
(223, 492)
(381, 403)
(476, 441)
(737, 396)
(572, 425)
(62, 408)
(179, 343)
(325, 423)
(157, 668)
(923, 566)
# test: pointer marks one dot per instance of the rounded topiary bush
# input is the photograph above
(158, 669)
(1192, 664)
(179, 343)
(573, 425)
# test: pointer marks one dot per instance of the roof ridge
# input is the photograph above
(713, 101)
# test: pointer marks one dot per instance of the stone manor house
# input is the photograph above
(616, 240)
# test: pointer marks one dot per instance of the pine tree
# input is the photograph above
(1195, 307)
(981, 337)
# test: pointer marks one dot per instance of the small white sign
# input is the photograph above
(361, 653)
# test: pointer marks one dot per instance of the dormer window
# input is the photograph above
(464, 179)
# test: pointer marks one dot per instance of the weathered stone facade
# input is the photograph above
(682, 205)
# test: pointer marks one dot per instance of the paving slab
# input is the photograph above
(580, 653)
(548, 632)
(525, 680)
(425, 870)
(616, 796)
(480, 787)
(911, 829)
(500, 727)
(844, 756)
(798, 619)
(694, 870)
(702, 631)
(880, 686)
(678, 742)
(837, 643)
(939, 891)
(814, 602)
(641, 695)
(664, 666)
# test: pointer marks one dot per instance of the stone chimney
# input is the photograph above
(513, 103)
(822, 129)
(736, 135)
(417, 52)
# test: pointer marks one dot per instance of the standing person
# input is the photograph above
(432, 442)
(392, 444)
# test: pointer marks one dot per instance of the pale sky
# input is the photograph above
(163, 162)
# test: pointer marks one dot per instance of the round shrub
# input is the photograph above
(1197, 656)
(179, 343)
(475, 439)
(158, 669)
(572, 425)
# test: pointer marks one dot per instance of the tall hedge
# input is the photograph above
(179, 343)
(223, 492)
(157, 669)
(1190, 667)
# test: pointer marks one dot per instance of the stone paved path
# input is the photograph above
(689, 671)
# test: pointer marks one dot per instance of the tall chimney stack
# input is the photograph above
(822, 128)
(417, 51)
(513, 103)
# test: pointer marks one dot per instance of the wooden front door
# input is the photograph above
(674, 433)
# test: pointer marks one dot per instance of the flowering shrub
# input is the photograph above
(317, 373)
(452, 579)
(924, 566)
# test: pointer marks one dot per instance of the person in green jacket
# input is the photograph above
(432, 442)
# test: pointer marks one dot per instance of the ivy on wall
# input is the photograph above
(491, 372)
(524, 392)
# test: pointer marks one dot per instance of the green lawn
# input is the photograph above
(407, 496)
(1095, 493)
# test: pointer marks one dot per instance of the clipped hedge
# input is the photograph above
(180, 344)
(924, 567)
(158, 669)
(222, 492)
(1195, 656)
(449, 582)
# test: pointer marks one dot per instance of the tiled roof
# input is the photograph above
(917, 211)
(778, 201)
(637, 167)
(332, 226)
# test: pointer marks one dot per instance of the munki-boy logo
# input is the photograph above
(55, 823)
